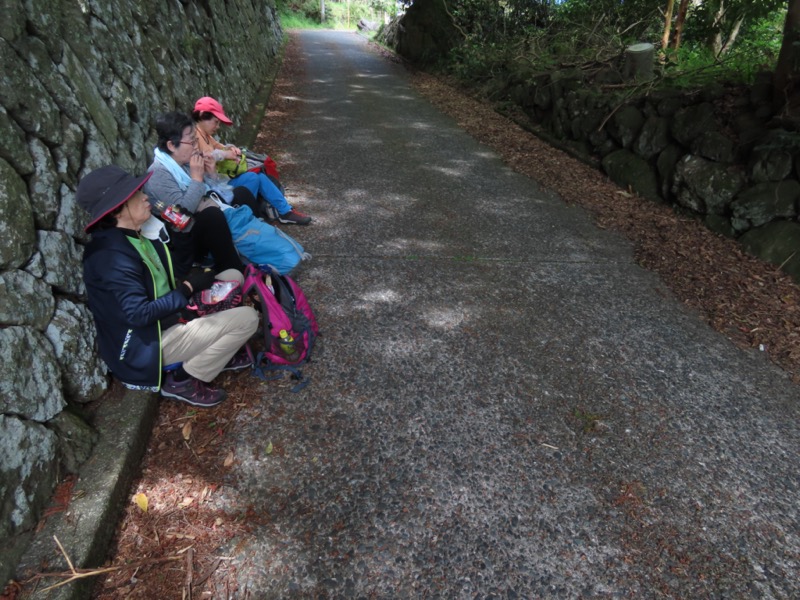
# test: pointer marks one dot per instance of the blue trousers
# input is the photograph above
(260, 185)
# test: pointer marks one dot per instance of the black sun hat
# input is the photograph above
(105, 189)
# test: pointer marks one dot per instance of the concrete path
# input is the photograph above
(504, 405)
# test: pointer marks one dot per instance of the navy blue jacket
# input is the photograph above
(129, 318)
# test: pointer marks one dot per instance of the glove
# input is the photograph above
(198, 281)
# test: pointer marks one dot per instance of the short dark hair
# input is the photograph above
(169, 128)
(108, 221)
(202, 115)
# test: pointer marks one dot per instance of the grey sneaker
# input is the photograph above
(192, 391)
(294, 218)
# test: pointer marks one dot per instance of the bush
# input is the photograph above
(306, 14)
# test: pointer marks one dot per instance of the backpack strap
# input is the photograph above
(261, 371)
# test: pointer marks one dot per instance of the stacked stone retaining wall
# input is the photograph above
(80, 87)
(718, 153)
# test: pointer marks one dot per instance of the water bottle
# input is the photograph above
(268, 283)
(172, 214)
(287, 345)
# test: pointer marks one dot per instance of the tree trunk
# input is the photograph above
(731, 37)
(683, 7)
(786, 81)
(321, 11)
(667, 24)
(715, 41)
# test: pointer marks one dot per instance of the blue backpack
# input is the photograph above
(261, 243)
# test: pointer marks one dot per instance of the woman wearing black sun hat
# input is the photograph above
(137, 306)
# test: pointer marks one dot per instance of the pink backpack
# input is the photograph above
(289, 325)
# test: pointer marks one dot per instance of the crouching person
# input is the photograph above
(137, 306)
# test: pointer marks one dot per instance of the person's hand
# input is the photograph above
(210, 164)
(197, 281)
(197, 166)
(237, 152)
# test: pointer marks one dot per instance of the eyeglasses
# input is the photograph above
(193, 142)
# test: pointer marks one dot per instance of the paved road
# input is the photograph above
(504, 405)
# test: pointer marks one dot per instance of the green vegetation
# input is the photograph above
(308, 14)
(728, 40)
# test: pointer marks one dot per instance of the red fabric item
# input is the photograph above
(269, 168)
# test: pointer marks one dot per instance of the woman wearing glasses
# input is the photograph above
(181, 176)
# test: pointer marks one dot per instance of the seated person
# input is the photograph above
(176, 149)
(208, 115)
(183, 176)
(137, 306)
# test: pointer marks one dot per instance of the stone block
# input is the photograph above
(689, 122)
(770, 164)
(28, 467)
(653, 138)
(62, 260)
(626, 169)
(12, 145)
(25, 300)
(625, 125)
(714, 185)
(33, 389)
(776, 242)
(765, 202)
(25, 98)
(72, 334)
(715, 146)
(16, 219)
(41, 185)
(76, 438)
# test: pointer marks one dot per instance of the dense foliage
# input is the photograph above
(307, 14)
(733, 37)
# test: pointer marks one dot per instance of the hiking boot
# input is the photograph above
(241, 360)
(192, 391)
(294, 218)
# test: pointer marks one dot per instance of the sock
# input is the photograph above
(180, 375)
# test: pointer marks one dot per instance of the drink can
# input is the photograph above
(178, 219)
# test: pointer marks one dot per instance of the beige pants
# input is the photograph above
(206, 344)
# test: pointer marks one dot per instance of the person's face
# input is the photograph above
(137, 209)
(183, 151)
(210, 126)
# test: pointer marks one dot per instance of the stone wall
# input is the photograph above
(718, 153)
(80, 86)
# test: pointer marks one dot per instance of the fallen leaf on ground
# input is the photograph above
(141, 501)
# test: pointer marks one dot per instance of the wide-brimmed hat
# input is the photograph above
(208, 104)
(105, 189)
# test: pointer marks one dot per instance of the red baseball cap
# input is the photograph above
(208, 104)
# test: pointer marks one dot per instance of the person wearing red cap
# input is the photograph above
(138, 306)
(208, 114)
